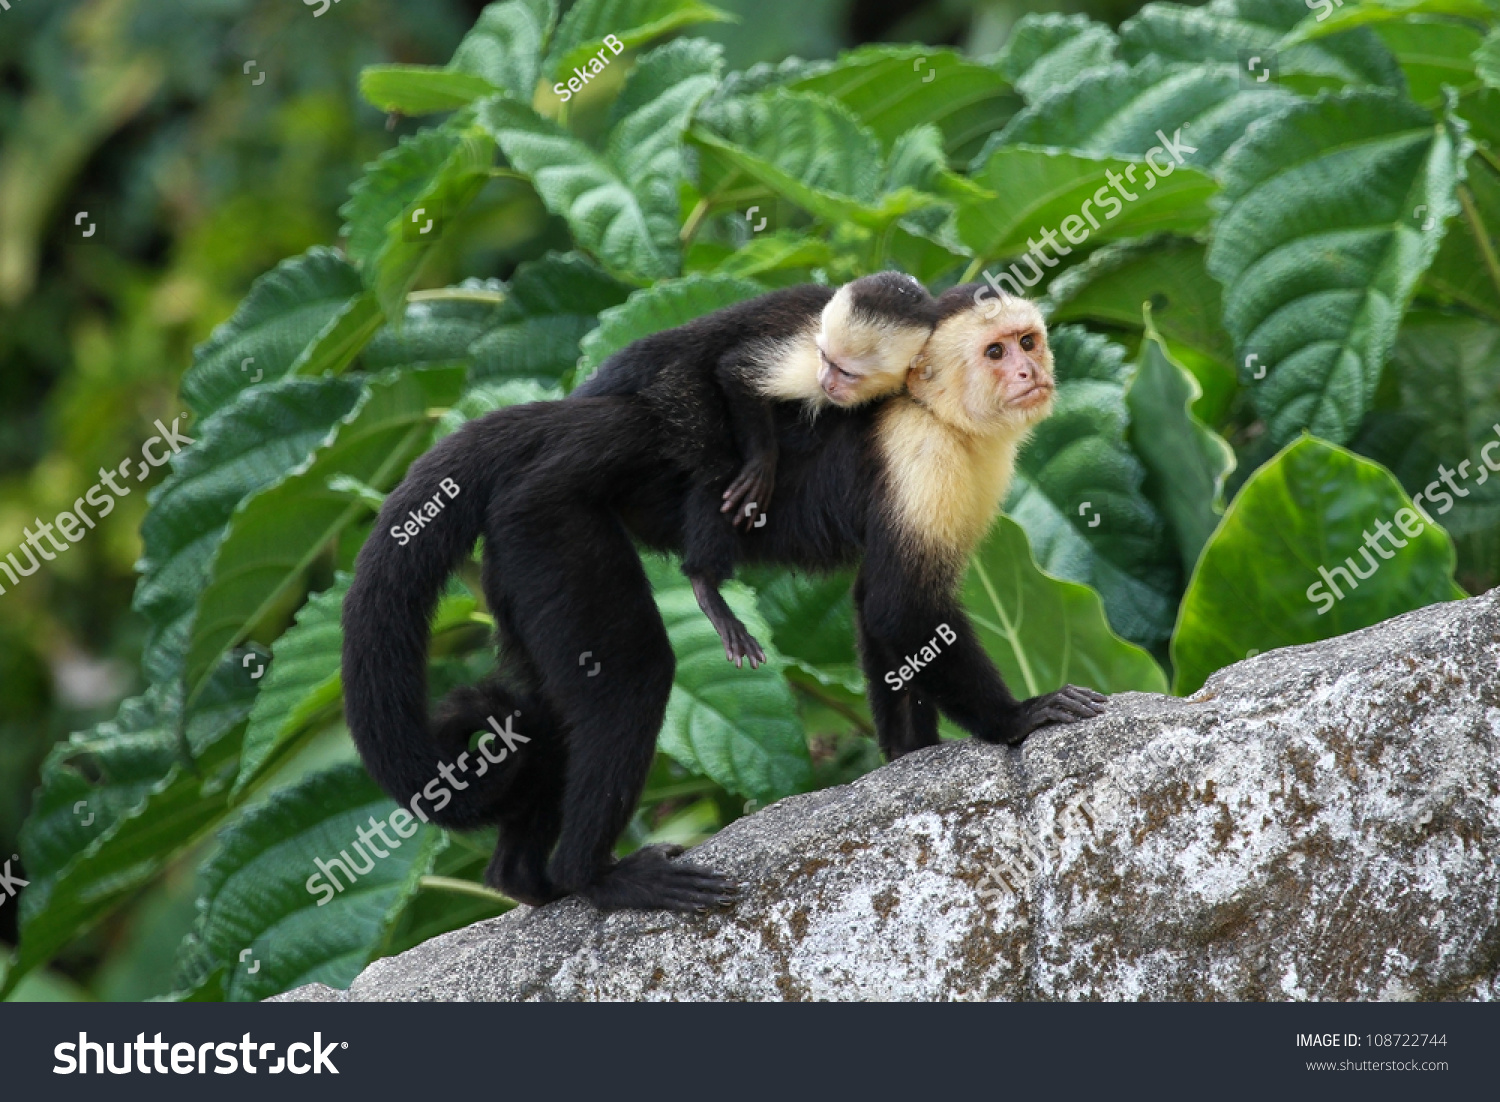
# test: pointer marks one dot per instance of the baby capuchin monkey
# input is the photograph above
(712, 384)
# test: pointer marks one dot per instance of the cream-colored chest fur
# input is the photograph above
(790, 368)
(946, 484)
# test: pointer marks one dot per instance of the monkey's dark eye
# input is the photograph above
(1028, 342)
(995, 351)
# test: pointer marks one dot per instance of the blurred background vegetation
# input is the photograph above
(205, 140)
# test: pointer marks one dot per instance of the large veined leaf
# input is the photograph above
(1042, 632)
(1046, 50)
(1327, 18)
(284, 314)
(441, 330)
(552, 303)
(1467, 267)
(246, 446)
(408, 199)
(1261, 580)
(262, 889)
(658, 71)
(1432, 53)
(631, 233)
(1169, 273)
(780, 255)
(302, 687)
(1226, 30)
(738, 727)
(117, 805)
(1074, 197)
(1446, 371)
(1321, 246)
(806, 148)
(275, 536)
(1078, 493)
(662, 306)
(1158, 108)
(501, 54)
(421, 89)
(812, 623)
(1487, 59)
(1186, 461)
(632, 22)
(894, 89)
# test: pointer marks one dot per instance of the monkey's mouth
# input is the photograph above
(1033, 396)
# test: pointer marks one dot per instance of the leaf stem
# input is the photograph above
(694, 220)
(974, 268)
(1481, 234)
(835, 704)
(461, 887)
(457, 294)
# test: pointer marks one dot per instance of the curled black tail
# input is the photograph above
(426, 529)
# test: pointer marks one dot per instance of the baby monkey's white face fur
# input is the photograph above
(870, 333)
(987, 368)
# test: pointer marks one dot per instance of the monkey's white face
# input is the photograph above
(988, 373)
(859, 360)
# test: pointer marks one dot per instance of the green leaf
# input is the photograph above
(662, 306)
(1078, 494)
(501, 54)
(1152, 108)
(738, 727)
(1432, 53)
(1044, 633)
(439, 331)
(553, 302)
(281, 318)
(243, 448)
(116, 806)
(1467, 269)
(1446, 371)
(1225, 30)
(1328, 17)
(806, 148)
(658, 72)
(1258, 584)
(408, 199)
(632, 22)
(421, 89)
(1487, 59)
(303, 688)
(632, 233)
(1168, 272)
(781, 251)
(1320, 247)
(1186, 461)
(889, 90)
(812, 623)
(505, 45)
(257, 894)
(1040, 190)
(275, 536)
(1047, 50)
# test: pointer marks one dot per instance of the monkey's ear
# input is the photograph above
(919, 371)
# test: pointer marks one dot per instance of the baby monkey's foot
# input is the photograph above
(749, 495)
(739, 645)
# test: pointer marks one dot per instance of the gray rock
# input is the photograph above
(1319, 822)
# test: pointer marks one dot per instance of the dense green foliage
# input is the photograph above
(1299, 314)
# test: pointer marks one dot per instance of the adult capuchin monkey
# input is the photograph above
(906, 487)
